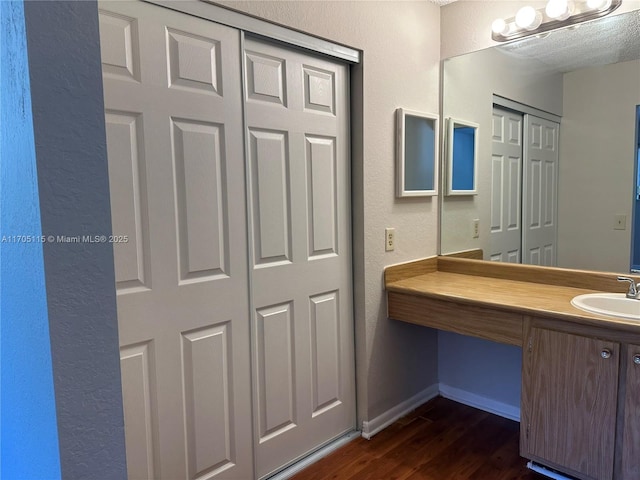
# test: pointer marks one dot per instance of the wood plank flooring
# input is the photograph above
(441, 440)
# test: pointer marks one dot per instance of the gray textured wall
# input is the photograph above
(488, 371)
(71, 156)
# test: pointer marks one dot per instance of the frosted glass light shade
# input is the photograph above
(558, 9)
(499, 26)
(528, 18)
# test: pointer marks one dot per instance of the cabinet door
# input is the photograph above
(631, 435)
(569, 397)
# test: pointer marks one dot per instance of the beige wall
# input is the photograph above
(597, 148)
(400, 43)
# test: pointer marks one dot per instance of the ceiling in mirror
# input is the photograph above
(529, 21)
(601, 42)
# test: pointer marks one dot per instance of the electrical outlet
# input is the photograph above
(475, 228)
(389, 239)
(620, 222)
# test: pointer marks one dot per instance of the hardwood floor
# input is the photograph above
(441, 440)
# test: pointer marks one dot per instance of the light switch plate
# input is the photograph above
(620, 222)
(475, 228)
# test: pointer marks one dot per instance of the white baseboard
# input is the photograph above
(480, 402)
(371, 427)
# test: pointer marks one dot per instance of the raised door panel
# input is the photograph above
(128, 181)
(266, 79)
(119, 46)
(207, 380)
(569, 403)
(326, 358)
(194, 62)
(631, 425)
(140, 417)
(201, 199)
(322, 200)
(271, 196)
(276, 409)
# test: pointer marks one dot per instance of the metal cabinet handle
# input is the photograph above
(636, 359)
(606, 353)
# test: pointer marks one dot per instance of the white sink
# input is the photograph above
(612, 304)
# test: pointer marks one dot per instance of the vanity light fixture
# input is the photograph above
(557, 14)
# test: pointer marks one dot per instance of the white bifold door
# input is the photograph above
(524, 171)
(506, 187)
(298, 150)
(539, 190)
(230, 189)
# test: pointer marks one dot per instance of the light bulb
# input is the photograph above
(559, 9)
(499, 26)
(528, 18)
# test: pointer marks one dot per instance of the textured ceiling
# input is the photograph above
(599, 42)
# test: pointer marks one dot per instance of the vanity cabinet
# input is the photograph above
(581, 404)
(580, 411)
(631, 424)
(569, 400)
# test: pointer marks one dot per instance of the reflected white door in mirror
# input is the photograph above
(524, 171)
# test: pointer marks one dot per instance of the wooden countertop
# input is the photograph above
(440, 278)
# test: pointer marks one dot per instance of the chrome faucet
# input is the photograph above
(633, 288)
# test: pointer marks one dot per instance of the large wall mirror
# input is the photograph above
(573, 93)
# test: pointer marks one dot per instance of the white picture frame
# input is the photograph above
(417, 162)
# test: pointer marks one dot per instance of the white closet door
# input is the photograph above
(540, 231)
(296, 111)
(506, 181)
(174, 135)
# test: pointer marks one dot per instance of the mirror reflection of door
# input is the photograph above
(524, 172)
(506, 187)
